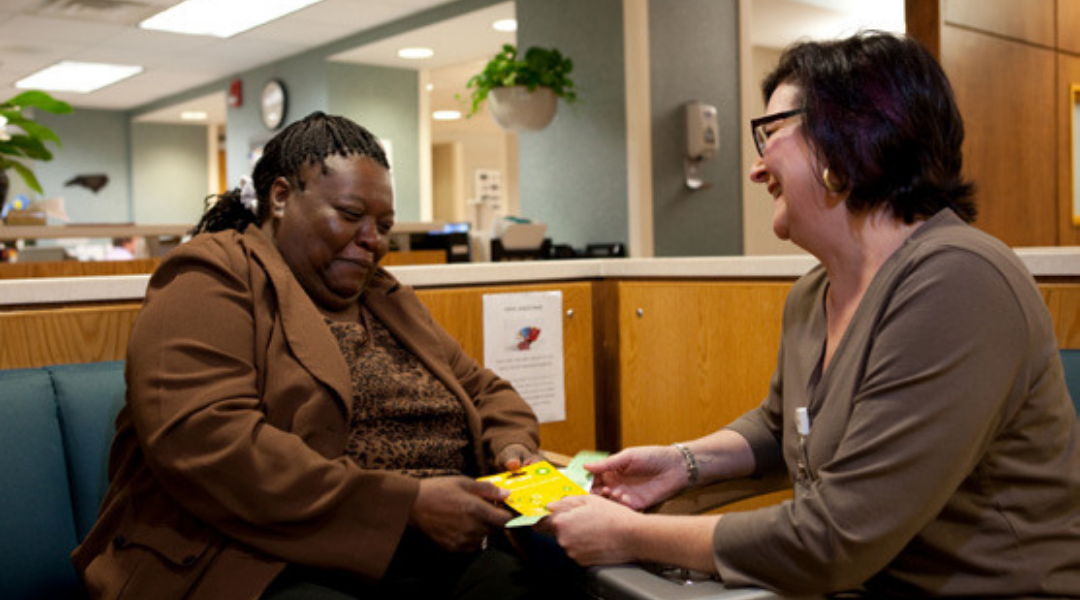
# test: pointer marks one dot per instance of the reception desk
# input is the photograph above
(655, 350)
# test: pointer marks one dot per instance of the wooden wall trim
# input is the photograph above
(1068, 76)
(39, 337)
(923, 22)
(76, 268)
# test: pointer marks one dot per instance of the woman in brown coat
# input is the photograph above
(296, 423)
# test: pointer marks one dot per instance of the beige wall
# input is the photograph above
(758, 235)
(479, 151)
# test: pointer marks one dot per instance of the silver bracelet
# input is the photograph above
(691, 463)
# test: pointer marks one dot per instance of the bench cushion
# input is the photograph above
(37, 528)
(88, 397)
(1070, 359)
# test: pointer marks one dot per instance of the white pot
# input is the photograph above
(517, 109)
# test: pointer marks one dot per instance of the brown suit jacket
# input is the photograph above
(228, 458)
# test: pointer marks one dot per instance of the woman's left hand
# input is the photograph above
(515, 456)
(592, 529)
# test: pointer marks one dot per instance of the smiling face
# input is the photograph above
(333, 232)
(789, 170)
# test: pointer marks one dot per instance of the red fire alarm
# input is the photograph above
(236, 93)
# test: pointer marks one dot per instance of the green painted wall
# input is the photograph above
(170, 168)
(386, 101)
(694, 55)
(305, 82)
(573, 173)
(93, 141)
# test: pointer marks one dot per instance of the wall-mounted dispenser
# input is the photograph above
(702, 140)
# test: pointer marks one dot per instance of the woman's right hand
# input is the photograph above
(640, 477)
(458, 512)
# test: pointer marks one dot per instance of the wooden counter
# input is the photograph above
(655, 351)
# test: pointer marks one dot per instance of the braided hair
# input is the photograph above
(308, 141)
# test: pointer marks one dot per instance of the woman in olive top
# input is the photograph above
(918, 403)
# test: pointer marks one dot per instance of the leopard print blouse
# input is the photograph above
(404, 419)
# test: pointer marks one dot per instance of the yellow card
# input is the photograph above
(535, 486)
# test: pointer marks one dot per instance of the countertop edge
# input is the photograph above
(1042, 262)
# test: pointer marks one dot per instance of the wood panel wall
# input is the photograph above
(1068, 26)
(690, 357)
(1004, 90)
(1011, 63)
(695, 356)
(1031, 21)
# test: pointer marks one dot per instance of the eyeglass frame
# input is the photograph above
(757, 124)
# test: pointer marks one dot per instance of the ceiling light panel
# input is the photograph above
(221, 18)
(80, 77)
(416, 53)
(446, 115)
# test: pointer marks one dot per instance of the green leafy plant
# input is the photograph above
(539, 67)
(23, 139)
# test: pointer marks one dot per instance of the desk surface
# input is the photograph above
(631, 582)
(56, 232)
(112, 230)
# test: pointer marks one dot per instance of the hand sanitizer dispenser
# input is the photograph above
(702, 140)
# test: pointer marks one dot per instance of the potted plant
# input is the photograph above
(523, 91)
(23, 139)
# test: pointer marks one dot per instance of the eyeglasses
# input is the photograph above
(757, 127)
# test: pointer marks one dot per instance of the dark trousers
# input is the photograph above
(420, 569)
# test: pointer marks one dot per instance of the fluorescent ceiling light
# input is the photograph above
(415, 53)
(446, 115)
(221, 18)
(193, 115)
(505, 25)
(70, 76)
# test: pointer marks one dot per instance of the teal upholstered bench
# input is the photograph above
(1071, 360)
(56, 425)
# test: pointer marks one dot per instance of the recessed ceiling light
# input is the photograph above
(415, 53)
(506, 25)
(81, 77)
(446, 115)
(194, 115)
(221, 18)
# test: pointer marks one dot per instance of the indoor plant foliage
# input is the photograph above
(539, 67)
(22, 139)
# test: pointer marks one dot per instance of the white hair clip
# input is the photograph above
(247, 195)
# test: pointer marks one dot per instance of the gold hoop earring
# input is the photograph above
(830, 182)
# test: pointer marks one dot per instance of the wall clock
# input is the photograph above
(273, 103)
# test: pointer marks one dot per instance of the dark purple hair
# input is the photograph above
(881, 115)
